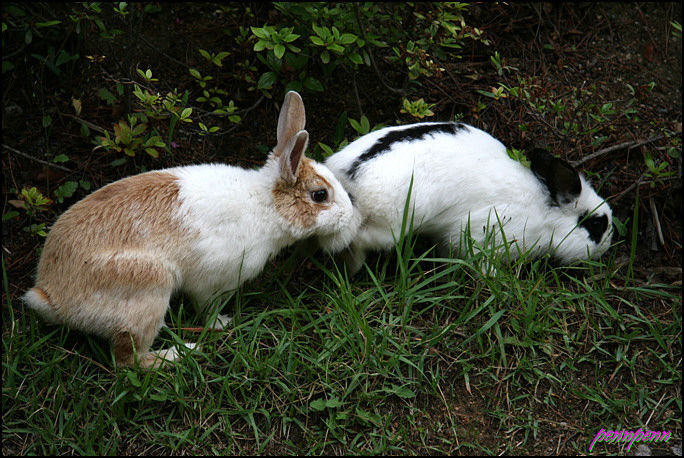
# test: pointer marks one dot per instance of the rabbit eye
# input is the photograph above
(319, 196)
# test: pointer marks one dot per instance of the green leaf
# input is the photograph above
(9, 215)
(66, 190)
(325, 57)
(347, 38)
(313, 84)
(355, 59)
(318, 404)
(133, 378)
(336, 48)
(261, 33)
(139, 129)
(195, 73)
(279, 51)
(106, 96)
(290, 37)
(267, 80)
(259, 46)
(322, 32)
(47, 24)
(321, 404)
(401, 391)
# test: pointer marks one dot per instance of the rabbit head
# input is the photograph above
(306, 194)
(580, 220)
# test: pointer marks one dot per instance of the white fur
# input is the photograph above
(232, 211)
(458, 179)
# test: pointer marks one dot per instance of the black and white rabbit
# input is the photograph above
(112, 261)
(462, 180)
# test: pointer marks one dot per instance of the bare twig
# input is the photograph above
(641, 181)
(90, 125)
(618, 147)
(28, 156)
(656, 220)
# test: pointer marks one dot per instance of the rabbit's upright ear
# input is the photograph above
(291, 121)
(561, 179)
(292, 155)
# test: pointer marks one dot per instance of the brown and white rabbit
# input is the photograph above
(461, 180)
(112, 261)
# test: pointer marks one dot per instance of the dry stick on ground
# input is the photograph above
(618, 147)
(28, 156)
(641, 181)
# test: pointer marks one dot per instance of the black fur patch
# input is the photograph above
(411, 133)
(596, 225)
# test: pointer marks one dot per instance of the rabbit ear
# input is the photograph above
(561, 179)
(291, 121)
(291, 156)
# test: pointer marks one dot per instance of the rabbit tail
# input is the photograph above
(38, 300)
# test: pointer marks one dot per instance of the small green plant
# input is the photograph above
(129, 138)
(657, 171)
(315, 38)
(418, 108)
(216, 59)
(500, 64)
(362, 127)
(417, 61)
(442, 33)
(33, 202)
(276, 42)
(518, 155)
(23, 29)
(69, 188)
(211, 95)
(334, 42)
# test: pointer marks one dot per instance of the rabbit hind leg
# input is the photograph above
(132, 343)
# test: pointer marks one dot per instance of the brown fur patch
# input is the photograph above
(42, 295)
(293, 201)
(124, 354)
(124, 236)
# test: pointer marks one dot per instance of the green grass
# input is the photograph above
(415, 355)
